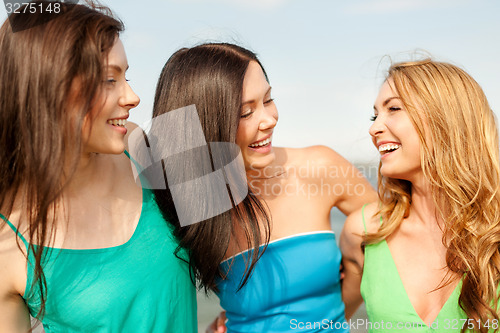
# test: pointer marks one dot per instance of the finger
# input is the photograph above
(221, 322)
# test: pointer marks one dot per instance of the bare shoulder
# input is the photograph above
(371, 217)
(320, 155)
(344, 185)
(13, 312)
(356, 225)
(363, 220)
(319, 161)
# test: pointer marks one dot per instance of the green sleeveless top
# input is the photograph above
(387, 304)
(139, 286)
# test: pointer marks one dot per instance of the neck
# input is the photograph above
(86, 170)
(423, 207)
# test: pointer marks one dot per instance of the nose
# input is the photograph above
(377, 127)
(129, 98)
(269, 118)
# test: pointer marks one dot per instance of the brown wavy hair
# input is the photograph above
(210, 76)
(462, 167)
(51, 73)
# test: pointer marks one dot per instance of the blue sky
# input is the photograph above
(325, 58)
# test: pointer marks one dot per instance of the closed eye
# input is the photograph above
(246, 115)
(373, 118)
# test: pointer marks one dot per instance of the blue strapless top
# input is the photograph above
(295, 286)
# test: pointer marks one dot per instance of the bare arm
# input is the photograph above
(352, 261)
(358, 190)
(349, 190)
(14, 315)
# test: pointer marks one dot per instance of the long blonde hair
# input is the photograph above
(448, 108)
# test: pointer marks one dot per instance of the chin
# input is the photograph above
(111, 150)
(260, 163)
(118, 151)
(394, 175)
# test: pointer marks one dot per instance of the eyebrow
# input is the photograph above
(386, 101)
(117, 68)
(251, 101)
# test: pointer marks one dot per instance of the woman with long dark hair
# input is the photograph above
(82, 247)
(272, 259)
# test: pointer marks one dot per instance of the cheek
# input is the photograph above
(86, 128)
(275, 112)
(241, 134)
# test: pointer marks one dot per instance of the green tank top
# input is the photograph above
(139, 286)
(387, 304)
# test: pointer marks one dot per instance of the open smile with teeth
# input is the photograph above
(118, 122)
(387, 148)
(262, 143)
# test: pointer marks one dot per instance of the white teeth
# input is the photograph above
(388, 147)
(261, 143)
(118, 122)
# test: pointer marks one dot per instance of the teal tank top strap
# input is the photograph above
(18, 234)
(144, 183)
(137, 165)
(128, 155)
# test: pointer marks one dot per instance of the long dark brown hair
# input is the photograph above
(210, 76)
(51, 71)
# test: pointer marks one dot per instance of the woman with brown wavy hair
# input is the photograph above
(82, 247)
(429, 255)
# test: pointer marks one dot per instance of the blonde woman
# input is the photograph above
(427, 254)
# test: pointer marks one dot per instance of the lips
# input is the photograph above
(262, 142)
(118, 122)
(386, 147)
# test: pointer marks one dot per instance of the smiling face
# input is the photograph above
(103, 129)
(258, 119)
(395, 136)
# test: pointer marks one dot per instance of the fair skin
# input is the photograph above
(416, 246)
(300, 186)
(102, 201)
(293, 181)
